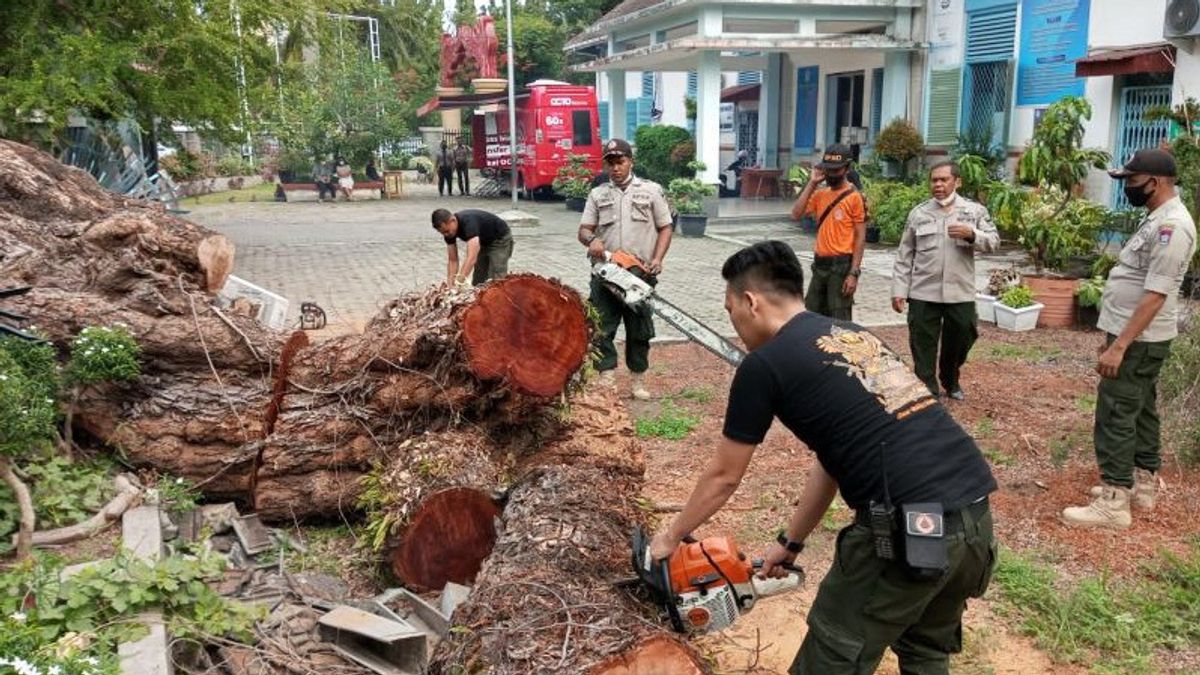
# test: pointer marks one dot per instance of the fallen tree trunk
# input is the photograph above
(444, 402)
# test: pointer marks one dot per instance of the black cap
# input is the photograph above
(617, 147)
(1149, 161)
(836, 156)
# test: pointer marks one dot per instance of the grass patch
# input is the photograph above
(997, 456)
(671, 423)
(1033, 353)
(836, 517)
(263, 192)
(697, 394)
(985, 428)
(1114, 625)
(1086, 403)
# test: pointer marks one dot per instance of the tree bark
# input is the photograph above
(28, 520)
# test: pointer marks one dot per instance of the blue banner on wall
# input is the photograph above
(1053, 36)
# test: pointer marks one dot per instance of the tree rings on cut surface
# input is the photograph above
(530, 331)
(657, 655)
(450, 536)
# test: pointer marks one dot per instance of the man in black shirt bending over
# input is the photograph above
(489, 245)
(921, 542)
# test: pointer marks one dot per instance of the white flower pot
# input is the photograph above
(984, 304)
(1021, 319)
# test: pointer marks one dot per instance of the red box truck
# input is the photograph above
(554, 119)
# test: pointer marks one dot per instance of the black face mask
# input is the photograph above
(1137, 195)
(835, 182)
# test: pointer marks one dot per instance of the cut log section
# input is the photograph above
(450, 536)
(525, 330)
(657, 655)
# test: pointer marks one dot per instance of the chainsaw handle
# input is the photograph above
(757, 564)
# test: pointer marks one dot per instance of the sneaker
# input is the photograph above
(638, 387)
(1145, 489)
(957, 394)
(608, 379)
(1109, 510)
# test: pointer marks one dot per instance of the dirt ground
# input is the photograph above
(1030, 401)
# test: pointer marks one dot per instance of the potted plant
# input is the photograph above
(574, 181)
(999, 280)
(685, 196)
(1016, 310)
(1087, 298)
(897, 145)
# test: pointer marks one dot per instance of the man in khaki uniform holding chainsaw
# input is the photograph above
(627, 214)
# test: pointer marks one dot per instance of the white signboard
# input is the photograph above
(946, 31)
(726, 117)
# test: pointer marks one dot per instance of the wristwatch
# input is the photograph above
(855, 272)
(791, 546)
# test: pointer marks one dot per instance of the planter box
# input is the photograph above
(985, 307)
(1017, 320)
(692, 224)
(576, 204)
(1058, 296)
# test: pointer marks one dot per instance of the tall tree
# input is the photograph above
(176, 60)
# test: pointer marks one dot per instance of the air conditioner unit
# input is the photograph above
(1182, 20)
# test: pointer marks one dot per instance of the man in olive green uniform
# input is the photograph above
(625, 214)
(935, 274)
(1138, 314)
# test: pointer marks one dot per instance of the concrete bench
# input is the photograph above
(368, 189)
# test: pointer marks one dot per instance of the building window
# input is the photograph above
(581, 128)
(987, 81)
(749, 77)
(876, 102)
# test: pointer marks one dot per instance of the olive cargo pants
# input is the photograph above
(1126, 431)
(865, 605)
(952, 324)
(639, 329)
(493, 260)
(824, 294)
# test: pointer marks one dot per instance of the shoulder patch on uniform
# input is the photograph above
(1164, 234)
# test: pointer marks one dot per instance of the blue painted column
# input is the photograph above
(616, 104)
(896, 76)
(768, 112)
(708, 115)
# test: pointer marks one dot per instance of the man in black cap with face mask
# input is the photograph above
(841, 234)
(1138, 313)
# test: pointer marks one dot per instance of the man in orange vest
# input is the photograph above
(841, 234)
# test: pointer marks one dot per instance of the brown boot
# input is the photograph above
(1109, 510)
(1145, 489)
(637, 387)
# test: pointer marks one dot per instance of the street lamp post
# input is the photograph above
(512, 104)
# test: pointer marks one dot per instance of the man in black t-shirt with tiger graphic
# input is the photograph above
(922, 541)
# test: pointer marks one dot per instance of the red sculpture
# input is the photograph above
(469, 54)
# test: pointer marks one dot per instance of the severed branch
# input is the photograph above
(128, 493)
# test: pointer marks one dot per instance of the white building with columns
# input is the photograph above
(830, 70)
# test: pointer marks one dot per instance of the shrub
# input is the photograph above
(1017, 297)
(899, 142)
(686, 195)
(185, 165)
(1090, 291)
(890, 202)
(656, 155)
(1179, 392)
(232, 165)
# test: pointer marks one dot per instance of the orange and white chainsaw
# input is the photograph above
(625, 275)
(706, 584)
